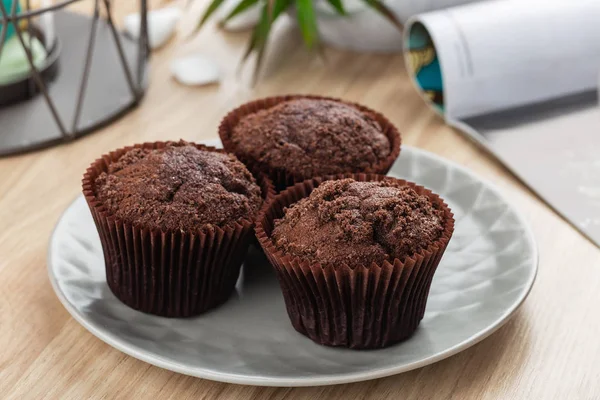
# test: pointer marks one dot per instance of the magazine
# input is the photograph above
(521, 78)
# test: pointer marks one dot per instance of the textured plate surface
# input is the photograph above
(486, 273)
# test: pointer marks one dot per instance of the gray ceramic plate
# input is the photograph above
(486, 273)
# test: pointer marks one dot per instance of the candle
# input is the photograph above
(14, 65)
(13, 61)
(8, 5)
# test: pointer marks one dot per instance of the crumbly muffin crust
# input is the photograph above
(311, 137)
(358, 223)
(178, 187)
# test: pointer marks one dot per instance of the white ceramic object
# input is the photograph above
(365, 30)
(161, 25)
(486, 273)
(47, 23)
(195, 70)
(241, 22)
(361, 30)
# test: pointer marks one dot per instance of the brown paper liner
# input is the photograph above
(281, 177)
(361, 308)
(169, 273)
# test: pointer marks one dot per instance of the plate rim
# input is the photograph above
(161, 362)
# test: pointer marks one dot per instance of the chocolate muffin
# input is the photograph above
(178, 187)
(175, 221)
(355, 255)
(297, 137)
(358, 223)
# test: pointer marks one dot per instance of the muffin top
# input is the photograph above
(358, 223)
(178, 187)
(309, 137)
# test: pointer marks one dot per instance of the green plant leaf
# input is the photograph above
(251, 46)
(337, 6)
(240, 8)
(307, 22)
(212, 7)
(262, 31)
(382, 9)
(270, 11)
(279, 6)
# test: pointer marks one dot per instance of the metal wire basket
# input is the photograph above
(92, 73)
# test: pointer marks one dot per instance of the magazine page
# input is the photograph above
(553, 148)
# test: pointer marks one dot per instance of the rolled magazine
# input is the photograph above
(521, 78)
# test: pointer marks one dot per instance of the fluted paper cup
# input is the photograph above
(171, 273)
(370, 306)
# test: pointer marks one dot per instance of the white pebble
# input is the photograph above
(195, 70)
(161, 25)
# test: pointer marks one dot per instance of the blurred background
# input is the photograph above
(518, 78)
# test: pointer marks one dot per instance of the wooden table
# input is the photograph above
(549, 350)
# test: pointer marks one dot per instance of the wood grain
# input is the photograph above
(549, 350)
